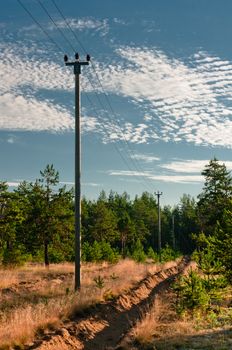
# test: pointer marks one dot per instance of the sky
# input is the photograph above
(156, 98)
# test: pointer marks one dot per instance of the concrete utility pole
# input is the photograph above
(173, 232)
(77, 71)
(158, 194)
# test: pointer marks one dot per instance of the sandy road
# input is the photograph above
(105, 326)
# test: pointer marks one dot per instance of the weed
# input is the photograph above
(99, 281)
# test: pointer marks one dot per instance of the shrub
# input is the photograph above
(138, 252)
(15, 256)
(152, 255)
(168, 254)
(99, 251)
(191, 292)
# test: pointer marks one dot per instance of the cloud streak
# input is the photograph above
(191, 166)
(184, 179)
(84, 23)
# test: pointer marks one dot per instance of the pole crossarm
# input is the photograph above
(77, 65)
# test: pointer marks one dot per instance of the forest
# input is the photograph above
(37, 222)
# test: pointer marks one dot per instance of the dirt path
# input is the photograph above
(106, 324)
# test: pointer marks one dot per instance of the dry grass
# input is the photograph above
(21, 325)
(9, 277)
(160, 324)
(161, 328)
(46, 296)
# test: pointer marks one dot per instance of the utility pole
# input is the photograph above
(158, 194)
(77, 71)
(173, 232)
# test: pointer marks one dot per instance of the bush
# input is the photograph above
(168, 254)
(55, 256)
(108, 253)
(15, 256)
(191, 293)
(99, 251)
(152, 255)
(138, 252)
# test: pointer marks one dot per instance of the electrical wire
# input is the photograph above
(61, 50)
(60, 31)
(107, 133)
(40, 26)
(132, 159)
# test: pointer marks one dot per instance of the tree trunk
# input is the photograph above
(46, 259)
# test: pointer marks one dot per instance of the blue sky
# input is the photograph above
(166, 68)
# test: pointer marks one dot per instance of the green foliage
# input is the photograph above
(104, 223)
(215, 197)
(15, 256)
(99, 251)
(99, 281)
(223, 242)
(152, 255)
(138, 253)
(108, 254)
(168, 254)
(214, 255)
(55, 256)
(48, 217)
(114, 276)
(191, 293)
(39, 218)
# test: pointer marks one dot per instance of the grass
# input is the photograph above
(21, 325)
(9, 277)
(163, 329)
(34, 298)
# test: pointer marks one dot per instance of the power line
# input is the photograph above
(55, 24)
(70, 28)
(107, 132)
(40, 26)
(133, 160)
(60, 49)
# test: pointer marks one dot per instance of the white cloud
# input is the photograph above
(67, 183)
(193, 179)
(84, 23)
(191, 165)
(89, 124)
(80, 24)
(21, 70)
(91, 184)
(183, 102)
(145, 157)
(21, 77)
(184, 179)
(126, 132)
(20, 113)
(179, 102)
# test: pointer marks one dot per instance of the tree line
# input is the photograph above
(37, 221)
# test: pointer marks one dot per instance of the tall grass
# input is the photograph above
(47, 295)
(160, 324)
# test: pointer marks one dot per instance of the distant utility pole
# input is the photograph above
(173, 232)
(77, 71)
(158, 194)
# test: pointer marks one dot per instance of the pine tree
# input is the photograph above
(216, 195)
